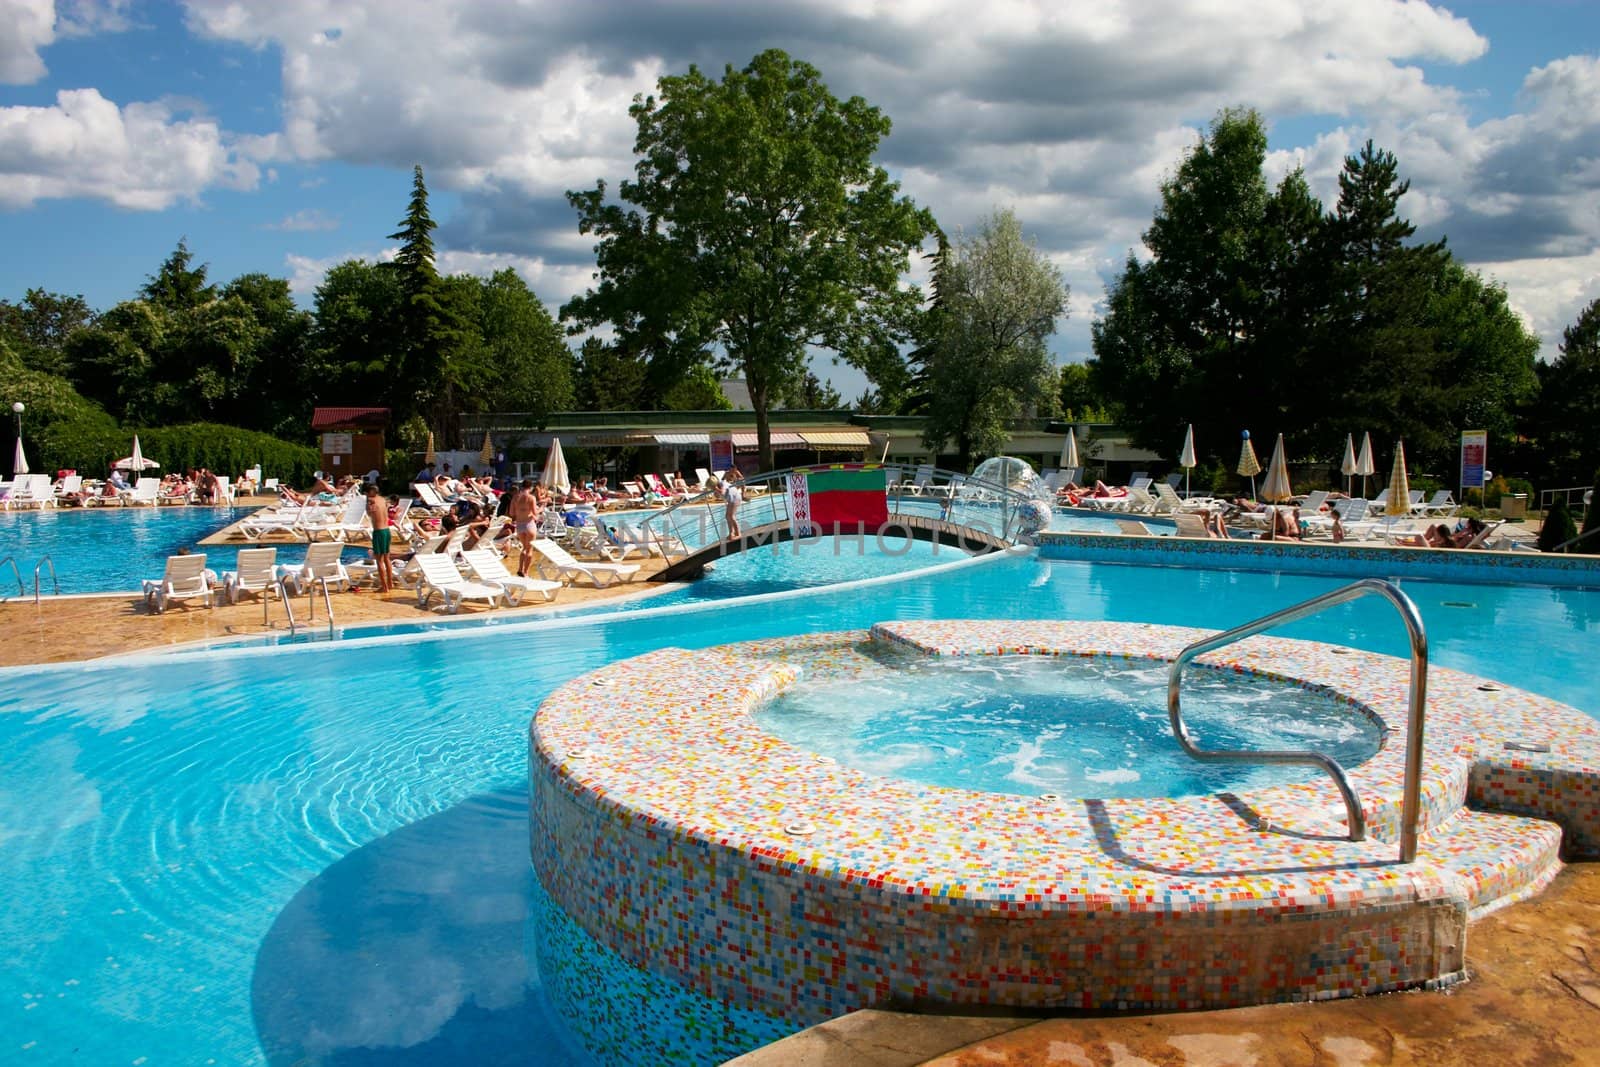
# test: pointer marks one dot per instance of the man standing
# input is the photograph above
(524, 512)
(378, 514)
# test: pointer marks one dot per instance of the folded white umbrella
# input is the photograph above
(1186, 458)
(1276, 487)
(555, 468)
(1069, 451)
(19, 463)
(1348, 466)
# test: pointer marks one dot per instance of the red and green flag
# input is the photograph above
(848, 496)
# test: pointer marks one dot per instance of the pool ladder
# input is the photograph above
(16, 572)
(1412, 798)
(311, 609)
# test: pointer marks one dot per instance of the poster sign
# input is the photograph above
(1474, 455)
(337, 444)
(721, 452)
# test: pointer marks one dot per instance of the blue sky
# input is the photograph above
(278, 137)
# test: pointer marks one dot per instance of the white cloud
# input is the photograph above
(554, 284)
(140, 156)
(29, 28)
(306, 220)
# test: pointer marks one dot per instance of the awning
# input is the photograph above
(683, 440)
(745, 440)
(837, 440)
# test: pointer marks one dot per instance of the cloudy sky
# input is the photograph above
(278, 135)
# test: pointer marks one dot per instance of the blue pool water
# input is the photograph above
(319, 854)
(1075, 727)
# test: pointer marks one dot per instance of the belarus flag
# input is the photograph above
(851, 496)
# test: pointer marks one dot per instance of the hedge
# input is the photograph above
(90, 448)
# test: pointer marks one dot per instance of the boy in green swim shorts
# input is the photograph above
(378, 513)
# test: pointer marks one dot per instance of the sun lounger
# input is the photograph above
(185, 579)
(486, 566)
(1133, 527)
(146, 493)
(321, 566)
(257, 574)
(350, 526)
(1443, 503)
(560, 562)
(439, 575)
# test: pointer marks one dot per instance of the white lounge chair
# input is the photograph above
(321, 565)
(565, 568)
(257, 574)
(486, 566)
(353, 524)
(185, 579)
(1442, 503)
(146, 492)
(439, 575)
(71, 485)
(429, 495)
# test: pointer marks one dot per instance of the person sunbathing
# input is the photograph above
(1102, 490)
(1214, 524)
(1464, 537)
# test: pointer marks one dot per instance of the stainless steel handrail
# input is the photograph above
(46, 562)
(1411, 805)
(327, 600)
(22, 590)
(288, 605)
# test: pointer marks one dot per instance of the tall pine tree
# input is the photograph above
(433, 331)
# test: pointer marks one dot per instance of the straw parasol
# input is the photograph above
(1186, 457)
(19, 463)
(1348, 466)
(1276, 487)
(486, 453)
(1399, 502)
(135, 462)
(555, 468)
(1249, 465)
(1364, 466)
(1069, 451)
(429, 458)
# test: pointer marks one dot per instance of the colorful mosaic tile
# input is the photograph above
(698, 847)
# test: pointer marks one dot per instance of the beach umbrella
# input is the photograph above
(1186, 457)
(1348, 466)
(555, 468)
(486, 453)
(428, 456)
(1069, 451)
(19, 463)
(135, 462)
(1276, 487)
(1399, 487)
(1364, 465)
(1249, 465)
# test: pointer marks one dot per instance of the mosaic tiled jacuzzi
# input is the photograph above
(702, 848)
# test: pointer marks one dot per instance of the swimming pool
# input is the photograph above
(265, 854)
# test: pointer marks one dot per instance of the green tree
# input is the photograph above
(176, 286)
(438, 353)
(758, 224)
(1557, 528)
(1080, 400)
(1562, 424)
(698, 390)
(277, 393)
(528, 364)
(988, 362)
(355, 340)
(608, 378)
(811, 393)
(37, 328)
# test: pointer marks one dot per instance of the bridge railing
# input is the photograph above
(928, 493)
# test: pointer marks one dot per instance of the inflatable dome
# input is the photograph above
(1014, 474)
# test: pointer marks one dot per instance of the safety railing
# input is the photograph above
(311, 603)
(46, 562)
(11, 561)
(701, 519)
(1411, 804)
(1566, 546)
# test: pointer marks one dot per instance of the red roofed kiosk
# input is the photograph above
(351, 439)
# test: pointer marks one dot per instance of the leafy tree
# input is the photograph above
(528, 366)
(1569, 396)
(609, 379)
(176, 286)
(699, 390)
(1078, 396)
(758, 224)
(989, 361)
(912, 392)
(37, 328)
(811, 393)
(277, 396)
(355, 339)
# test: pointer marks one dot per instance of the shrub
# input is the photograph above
(1558, 527)
(91, 447)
